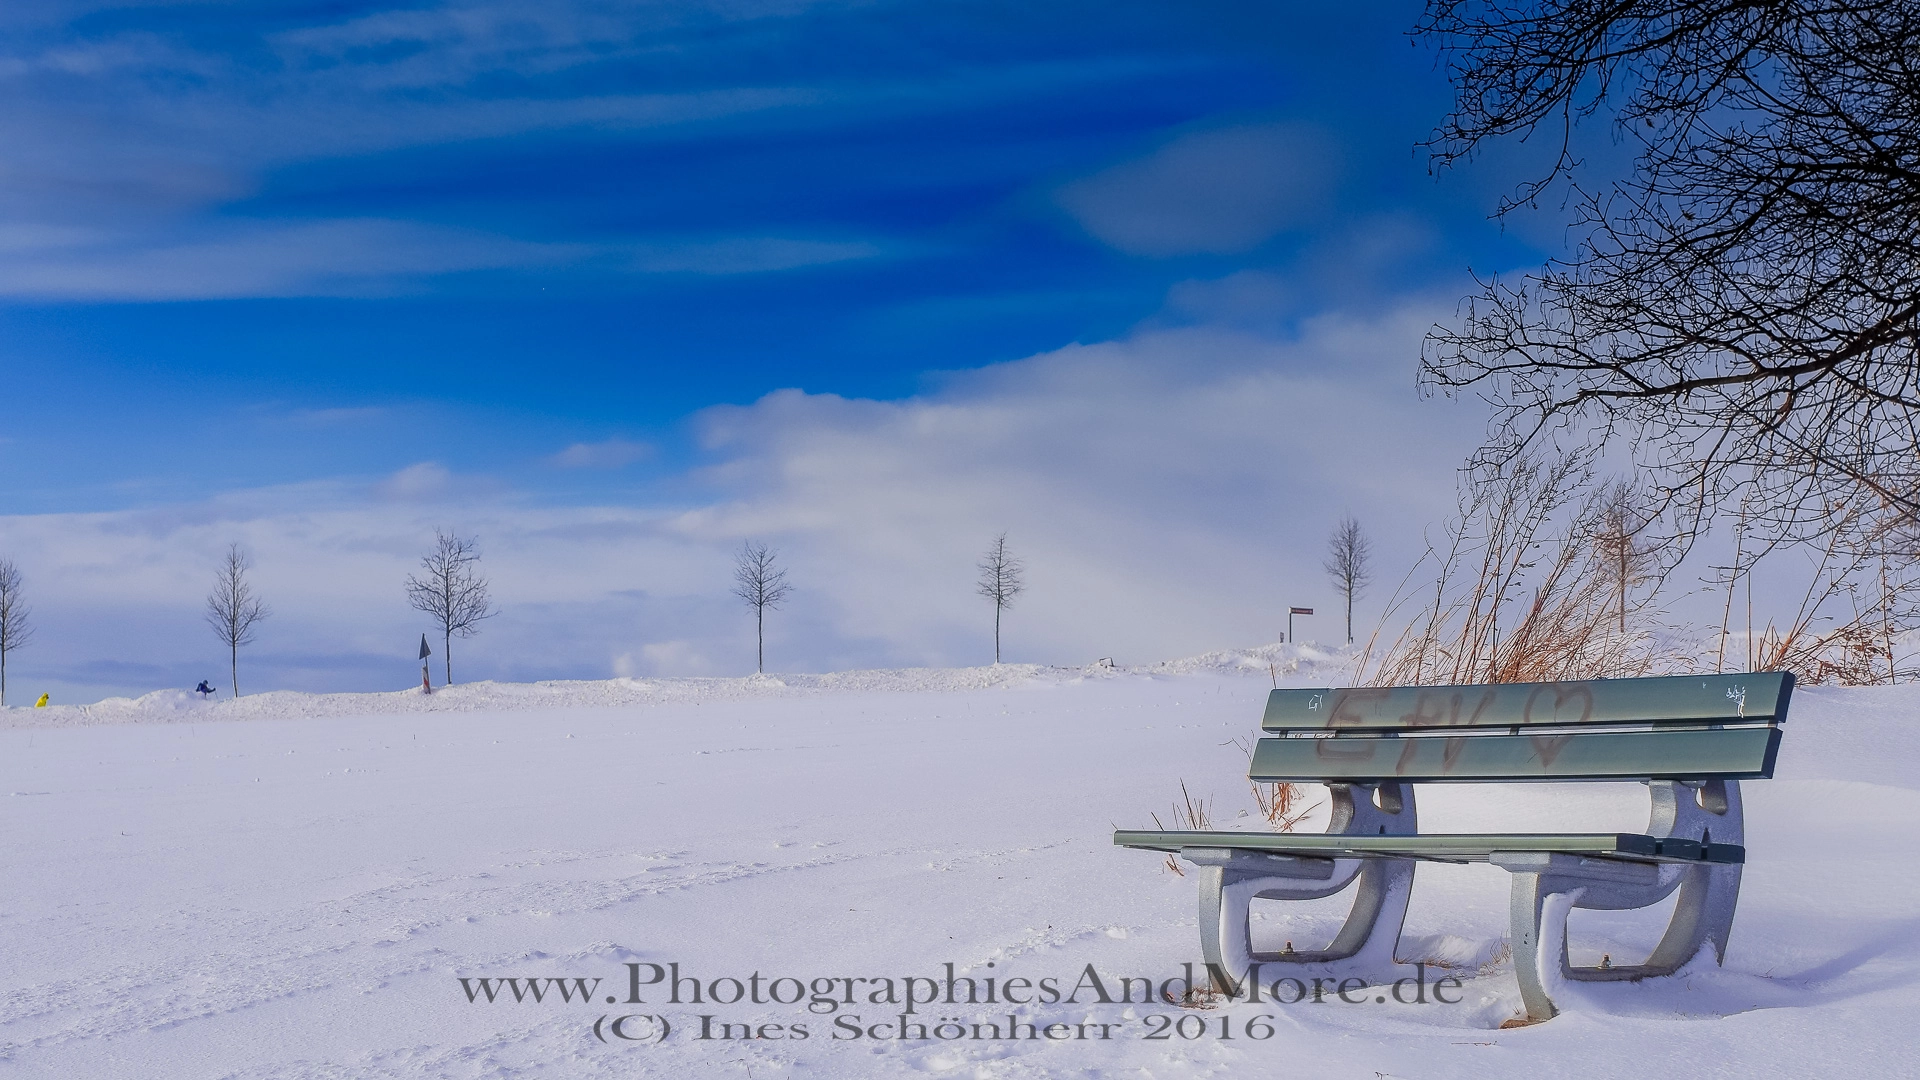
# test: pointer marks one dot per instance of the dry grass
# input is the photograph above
(1199, 997)
(1543, 578)
(1279, 803)
(1188, 814)
(1862, 596)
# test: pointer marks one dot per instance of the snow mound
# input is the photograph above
(1302, 665)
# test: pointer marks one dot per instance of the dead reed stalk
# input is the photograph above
(1866, 572)
(1543, 578)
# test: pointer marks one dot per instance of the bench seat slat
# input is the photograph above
(1462, 847)
(1661, 699)
(1726, 754)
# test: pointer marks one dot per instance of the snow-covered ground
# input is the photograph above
(295, 886)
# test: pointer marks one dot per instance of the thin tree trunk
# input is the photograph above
(996, 633)
(1623, 581)
(233, 667)
(1886, 634)
(446, 654)
(760, 639)
(1733, 582)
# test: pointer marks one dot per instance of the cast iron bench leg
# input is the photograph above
(1702, 915)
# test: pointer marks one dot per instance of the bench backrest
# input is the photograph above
(1681, 727)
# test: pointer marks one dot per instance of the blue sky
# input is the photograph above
(685, 273)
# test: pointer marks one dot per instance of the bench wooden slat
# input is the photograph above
(1721, 754)
(1662, 699)
(1463, 847)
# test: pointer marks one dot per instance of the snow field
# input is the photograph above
(282, 888)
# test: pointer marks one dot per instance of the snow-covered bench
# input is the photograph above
(1690, 739)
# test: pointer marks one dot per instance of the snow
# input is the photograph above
(293, 885)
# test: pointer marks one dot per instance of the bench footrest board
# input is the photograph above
(1463, 847)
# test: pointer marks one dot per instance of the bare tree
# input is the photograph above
(1001, 579)
(1744, 306)
(232, 608)
(758, 579)
(15, 630)
(451, 591)
(1348, 555)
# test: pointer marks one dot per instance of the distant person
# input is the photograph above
(203, 690)
(42, 703)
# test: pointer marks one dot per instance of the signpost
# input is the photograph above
(1291, 612)
(426, 684)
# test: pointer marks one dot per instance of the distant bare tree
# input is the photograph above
(1348, 556)
(762, 584)
(233, 609)
(15, 630)
(1000, 581)
(451, 591)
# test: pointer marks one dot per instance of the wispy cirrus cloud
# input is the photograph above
(250, 259)
(748, 255)
(128, 148)
(161, 153)
(354, 257)
(450, 44)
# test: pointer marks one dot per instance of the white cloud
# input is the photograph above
(1170, 493)
(1210, 192)
(608, 454)
(426, 480)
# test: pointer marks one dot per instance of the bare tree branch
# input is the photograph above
(1744, 308)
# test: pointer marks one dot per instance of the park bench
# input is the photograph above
(1691, 739)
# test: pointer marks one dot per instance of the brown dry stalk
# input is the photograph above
(1880, 594)
(1535, 584)
(1188, 814)
(1279, 803)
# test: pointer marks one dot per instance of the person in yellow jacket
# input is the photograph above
(42, 703)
